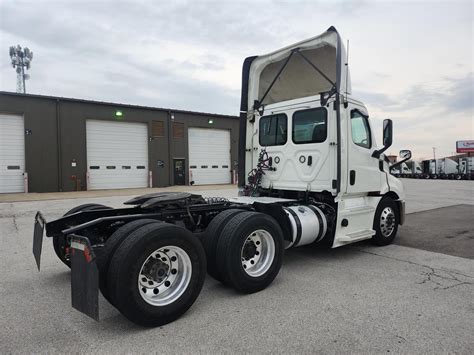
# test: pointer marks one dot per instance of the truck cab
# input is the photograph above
(299, 115)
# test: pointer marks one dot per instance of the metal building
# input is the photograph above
(61, 144)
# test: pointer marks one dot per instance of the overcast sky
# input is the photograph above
(410, 61)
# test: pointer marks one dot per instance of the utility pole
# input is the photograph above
(21, 59)
(434, 157)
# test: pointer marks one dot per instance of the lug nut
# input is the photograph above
(155, 291)
(167, 284)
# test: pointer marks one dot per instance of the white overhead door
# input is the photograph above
(12, 153)
(209, 156)
(117, 154)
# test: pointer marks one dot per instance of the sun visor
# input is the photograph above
(303, 69)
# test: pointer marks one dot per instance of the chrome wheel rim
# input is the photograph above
(257, 253)
(387, 221)
(164, 276)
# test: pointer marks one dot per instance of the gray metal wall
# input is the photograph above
(49, 168)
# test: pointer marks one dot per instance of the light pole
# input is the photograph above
(434, 157)
(21, 59)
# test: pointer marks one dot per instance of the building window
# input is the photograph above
(157, 129)
(310, 126)
(178, 130)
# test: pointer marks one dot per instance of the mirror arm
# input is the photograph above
(376, 154)
(400, 162)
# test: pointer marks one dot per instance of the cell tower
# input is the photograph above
(21, 59)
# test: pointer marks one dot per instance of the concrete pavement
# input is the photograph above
(357, 298)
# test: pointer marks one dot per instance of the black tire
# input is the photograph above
(59, 242)
(126, 265)
(230, 245)
(111, 245)
(386, 212)
(210, 238)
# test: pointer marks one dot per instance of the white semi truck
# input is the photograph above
(402, 171)
(309, 172)
(465, 169)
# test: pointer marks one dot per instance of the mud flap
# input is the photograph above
(84, 277)
(38, 233)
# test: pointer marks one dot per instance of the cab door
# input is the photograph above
(364, 174)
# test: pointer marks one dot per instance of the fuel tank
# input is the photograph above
(308, 223)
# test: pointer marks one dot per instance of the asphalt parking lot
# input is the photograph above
(415, 296)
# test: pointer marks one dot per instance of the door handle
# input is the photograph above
(352, 177)
(310, 160)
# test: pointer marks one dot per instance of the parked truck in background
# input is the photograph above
(309, 173)
(415, 169)
(444, 168)
(465, 169)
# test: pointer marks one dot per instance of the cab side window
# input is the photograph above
(273, 130)
(360, 129)
(310, 126)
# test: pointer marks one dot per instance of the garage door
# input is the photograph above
(12, 153)
(209, 156)
(117, 154)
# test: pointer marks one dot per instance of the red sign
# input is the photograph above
(465, 146)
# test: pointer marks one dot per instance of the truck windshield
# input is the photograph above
(273, 130)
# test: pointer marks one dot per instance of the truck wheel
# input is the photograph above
(250, 251)
(458, 177)
(210, 238)
(156, 274)
(386, 222)
(111, 245)
(59, 242)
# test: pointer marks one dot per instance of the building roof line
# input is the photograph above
(10, 93)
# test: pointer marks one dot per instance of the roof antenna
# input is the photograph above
(346, 103)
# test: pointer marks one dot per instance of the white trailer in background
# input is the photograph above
(447, 168)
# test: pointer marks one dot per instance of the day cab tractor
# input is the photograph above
(309, 173)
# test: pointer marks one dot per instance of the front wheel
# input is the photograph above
(386, 222)
(156, 274)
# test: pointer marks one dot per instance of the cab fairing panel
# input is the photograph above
(299, 79)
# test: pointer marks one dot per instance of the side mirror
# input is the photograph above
(405, 155)
(387, 133)
(387, 138)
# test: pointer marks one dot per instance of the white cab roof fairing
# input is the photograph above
(299, 79)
